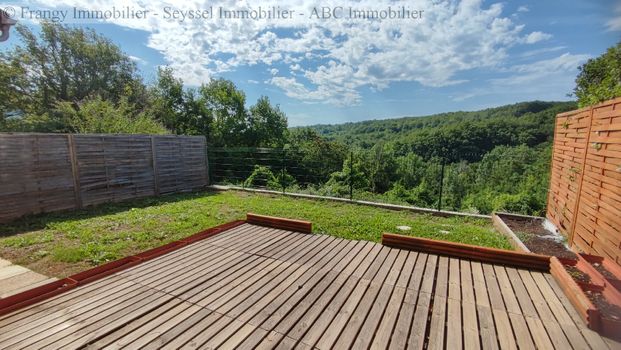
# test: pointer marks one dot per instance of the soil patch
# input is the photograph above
(578, 275)
(607, 274)
(537, 238)
(609, 311)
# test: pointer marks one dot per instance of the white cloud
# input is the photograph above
(543, 79)
(536, 37)
(536, 52)
(523, 9)
(137, 59)
(614, 24)
(252, 81)
(330, 60)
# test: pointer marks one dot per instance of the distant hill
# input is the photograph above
(466, 135)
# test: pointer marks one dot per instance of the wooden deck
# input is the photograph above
(258, 287)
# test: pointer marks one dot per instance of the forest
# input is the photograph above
(74, 80)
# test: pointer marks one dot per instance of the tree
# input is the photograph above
(599, 78)
(180, 110)
(226, 106)
(381, 167)
(267, 125)
(98, 116)
(63, 66)
(315, 157)
(67, 64)
(410, 170)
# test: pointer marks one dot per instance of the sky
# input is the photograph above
(329, 62)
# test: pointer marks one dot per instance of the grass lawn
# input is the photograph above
(61, 244)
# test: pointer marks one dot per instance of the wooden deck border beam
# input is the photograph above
(280, 223)
(574, 293)
(466, 251)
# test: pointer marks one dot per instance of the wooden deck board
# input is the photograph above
(259, 287)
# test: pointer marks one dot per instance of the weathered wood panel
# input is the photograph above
(35, 175)
(173, 153)
(585, 187)
(51, 172)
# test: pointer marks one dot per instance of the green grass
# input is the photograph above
(64, 243)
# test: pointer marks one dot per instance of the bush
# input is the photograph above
(263, 176)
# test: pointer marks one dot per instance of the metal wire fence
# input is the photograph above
(456, 180)
(292, 170)
(237, 165)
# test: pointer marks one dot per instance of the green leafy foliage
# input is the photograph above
(263, 176)
(600, 78)
(97, 116)
(495, 159)
(69, 79)
(457, 135)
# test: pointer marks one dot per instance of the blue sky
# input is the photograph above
(461, 55)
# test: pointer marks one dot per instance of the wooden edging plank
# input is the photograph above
(501, 226)
(586, 310)
(281, 223)
(467, 251)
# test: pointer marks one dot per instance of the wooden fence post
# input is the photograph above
(207, 167)
(75, 171)
(156, 181)
(572, 231)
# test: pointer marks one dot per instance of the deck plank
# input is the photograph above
(385, 329)
(504, 330)
(538, 333)
(60, 302)
(565, 322)
(487, 329)
(437, 327)
(470, 321)
(342, 317)
(283, 296)
(454, 334)
(321, 324)
(224, 274)
(222, 301)
(406, 314)
(555, 332)
(416, 340)
(376, 301)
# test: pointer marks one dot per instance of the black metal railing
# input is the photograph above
(438, 182)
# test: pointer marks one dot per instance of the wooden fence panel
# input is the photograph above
(594, 226)
(50, 172)
(570, 143)
(174, 153)
(35, 175)
(114, 168)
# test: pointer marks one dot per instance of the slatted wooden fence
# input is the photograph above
(51, 172)
(585, 188)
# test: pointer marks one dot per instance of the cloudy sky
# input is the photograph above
(454, 55)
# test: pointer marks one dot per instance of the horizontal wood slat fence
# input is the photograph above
(585, 187)
(52, 172)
